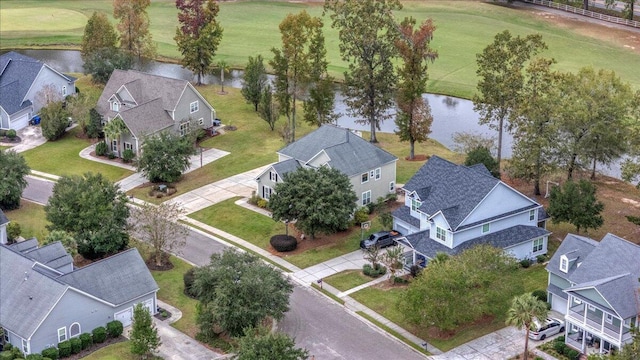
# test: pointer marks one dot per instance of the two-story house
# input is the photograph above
(596, 286)
(149, 104)
(22, 78)
(371, 170)
(450, 208)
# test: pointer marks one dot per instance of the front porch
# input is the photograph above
(599, 322)
(586, 342)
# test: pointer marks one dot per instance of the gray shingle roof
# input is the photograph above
(349, 153)
(574, 246)
(3, 218)
(146, 119)
(404, 213)
(53, 255)
(127, 278)
(286, 166)
(501, 239)
(24, 246)
(453, 189)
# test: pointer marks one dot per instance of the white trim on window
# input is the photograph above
(266, 192)
(538, 244)
(62, 334)
(184, 128)
(577, 301)
(114, 145)
(415, 204)
(115, 106)
(194, 107)
(441, 234)
(364, 178)
(64, 91)
(366, 197)
(486, 227)
(608, 318)
(128, 146)
(532, 215)
(378, 173)
(273, 176)
(564, 263)
(25, 346)
(201, 121)
(71, 333)
(392, 186)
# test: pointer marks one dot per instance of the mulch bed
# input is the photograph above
(166, 263)
(96, 347)
(6, 140)
(159, 315)
(419, 157)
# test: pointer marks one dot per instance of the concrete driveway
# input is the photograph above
(31, 137)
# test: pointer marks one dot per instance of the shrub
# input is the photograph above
(8, 346)
(188, 278)
(13, 232)
(399, 280)
(283, 243)
(392, 197)
(6, 355)
(541, 258)
(386, 219)
(101, 148)
(368, 270)
(99, 334)
(114, 328)
(540, 295)
(51, 353)
(415, 270)
(573, 354)
(11, 134)
(559, 347)
(567, 351)
(34, 357)
(86, 340)
(253, 200)
(361, 215)
(128, 155)
(64, 349)
(262, 203)
(111, 155)
(525, 263)
(16, 353)
(560, 339)
(76, 345)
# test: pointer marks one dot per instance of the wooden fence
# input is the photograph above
(591, 14)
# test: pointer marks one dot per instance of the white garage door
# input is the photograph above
(558, 304)
(149, 305)
(403, 230)
(124, 316)
(20, 122)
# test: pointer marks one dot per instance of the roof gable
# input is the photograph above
(146, 119)
(3, 218)
(18, 74)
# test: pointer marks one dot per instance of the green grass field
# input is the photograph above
(464, 28)
(32, 220)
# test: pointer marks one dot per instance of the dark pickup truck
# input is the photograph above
(380, 239)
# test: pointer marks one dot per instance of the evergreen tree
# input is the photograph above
(254, 80)
(14, 169)
(144, 335)
(98, 34)
(576, 203)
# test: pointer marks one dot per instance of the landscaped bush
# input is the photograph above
(64, 349)
(253, 200)
(101, 148)
(99, 334)
(567, 351)
(399, 280)
(188, 278)
(76, 345)
(11, 134)
(560, 339)
(415, 270)
(114, 328)
(541, 258)
(13, 232)
(368, 270)
(283, 243)
(51, 353)
(262, 203)
(559, 346)
(525, 263)
(361, 215)
(17, 354)
(8, 346)
(540, 295)
(34, 357)
(6, 355)
(573, 354)
(128, 155)
(111, 155)
(86, 340)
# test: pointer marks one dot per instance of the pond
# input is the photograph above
(450, 115)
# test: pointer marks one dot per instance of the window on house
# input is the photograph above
(378, 174)
(591, 307)
(62, 334)
(25, 346)
(608, 318)
(273, 176)
(441, 234)
(74, 330)
(194, 106)
(201, 121)
(266, 192)
(184, 128)
(64, 91)
(6, 335)
(485, 228)
(114, 145)
(532, 215)
(371, 174)
(364, 178)
(128, 146)
(115, 106)
(366, 197)
(564, 263)
(538, 244)
(415, 204)
(392, 186)
(577, 301)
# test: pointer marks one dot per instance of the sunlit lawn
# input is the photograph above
(117, 351)
(348, 279)
(32, 219)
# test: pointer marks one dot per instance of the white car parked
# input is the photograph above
(550, 327)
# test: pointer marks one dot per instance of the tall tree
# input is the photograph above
(14, 169)
(535, 124)
(524, 310)
(198, 35)
(595, 107)
(267, 108)
(261, 343)
(414, 114)
(98, 34)
(631, 165)
(367, 31)
(576, 204)
(101, 63)
(292, 63)
(135, 37)
(254, 80)
(224, 68)
(321, 200)
(627, 12)
(165, 157)
(93, 210)
(500, 69)
(144, 334)
(228, 288)
(318, 106)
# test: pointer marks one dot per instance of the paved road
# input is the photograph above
(38, 190)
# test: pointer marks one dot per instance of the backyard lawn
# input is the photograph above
(32, 219)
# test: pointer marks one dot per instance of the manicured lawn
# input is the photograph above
(384, 302)
(31, 218)
(348, 279)
(117, 351)
(464, 28)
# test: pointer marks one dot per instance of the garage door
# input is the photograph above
(402, 230)
(149, 305)
(558, 303)
(124, 316)
(20, 122)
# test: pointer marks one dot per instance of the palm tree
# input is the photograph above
(114, 128)
(224, 69)
(524, 310)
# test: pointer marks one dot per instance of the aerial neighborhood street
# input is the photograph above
(201, 179)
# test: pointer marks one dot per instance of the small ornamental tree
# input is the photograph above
(14, 169)
(576, 203)
(321, 200)
(165, 157)
(260, 343)
(144, 335)
(482, 155)
(54, 120)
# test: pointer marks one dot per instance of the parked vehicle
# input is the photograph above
(380, 239)
(549, 327)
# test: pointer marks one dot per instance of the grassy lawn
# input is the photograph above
(117, 351)
(384, 301)
(31, 218)
(348, 279)
(464, 28)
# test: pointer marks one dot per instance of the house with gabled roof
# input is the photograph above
(596, 286)
(450, 208)
(3, 227)
(45, 300)
(21, 79)
(370, 169)
(148, 104)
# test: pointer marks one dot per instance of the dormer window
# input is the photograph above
(415, 204)
(115, 106)
(564, 264)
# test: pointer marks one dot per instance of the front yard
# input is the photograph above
(32, 219)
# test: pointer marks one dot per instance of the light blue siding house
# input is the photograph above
(595, 285)
(45, 300)
(450, 208)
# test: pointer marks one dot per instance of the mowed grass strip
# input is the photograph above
(347, 279)
(117, 351)
(44, 19)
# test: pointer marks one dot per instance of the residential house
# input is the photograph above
(3, 227)
(595, 285)
(45, 300)
(450, 208)
(21, 79)
(149, 104)
(371, 170)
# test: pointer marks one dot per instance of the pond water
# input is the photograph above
(450, 115)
